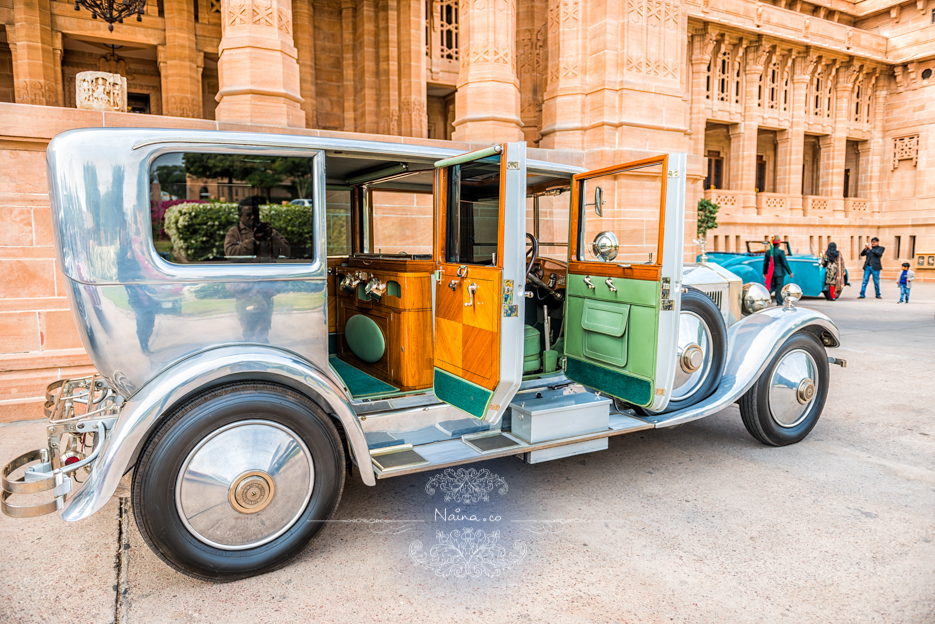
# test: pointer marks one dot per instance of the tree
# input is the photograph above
(299, 171)
(172, 180)
(707, 217)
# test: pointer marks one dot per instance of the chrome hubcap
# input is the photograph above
(792, 388)
(244, 485)
(694, 355)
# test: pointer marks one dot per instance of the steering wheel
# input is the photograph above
(531, 254)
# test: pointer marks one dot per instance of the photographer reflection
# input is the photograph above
(254, 305)
(254, 238)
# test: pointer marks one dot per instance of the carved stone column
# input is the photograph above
(832, 184)
(878, 144)
(413, 116)
(181, 96)
(563, 106)
(303, 20)
(388, 69)
(744, 135)
(257, 67)
(34, 65)
(348, 20)
(487, 101)
(702, 47)
(791, 183)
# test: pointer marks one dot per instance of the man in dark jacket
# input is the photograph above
(872, 266)
(775, 269)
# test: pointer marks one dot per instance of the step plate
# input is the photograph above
(399, 460)
(491, 443)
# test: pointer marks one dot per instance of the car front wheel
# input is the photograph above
(238, 481)
(785, 403)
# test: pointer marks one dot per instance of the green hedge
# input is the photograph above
(197, 231)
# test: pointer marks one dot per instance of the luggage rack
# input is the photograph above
(81, 411)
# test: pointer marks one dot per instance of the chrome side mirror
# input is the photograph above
(598, 201)
(605, 246)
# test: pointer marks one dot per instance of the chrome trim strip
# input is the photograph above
(242, 362)
(752, 343)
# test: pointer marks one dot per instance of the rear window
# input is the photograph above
(220, 208)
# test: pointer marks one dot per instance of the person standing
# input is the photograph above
(872, 266)
(834, 271)
(905, 283)
(775, 269)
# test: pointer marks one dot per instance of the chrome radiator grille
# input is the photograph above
(715, 296)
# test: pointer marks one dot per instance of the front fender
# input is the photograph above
(751, 345)
(143, 410)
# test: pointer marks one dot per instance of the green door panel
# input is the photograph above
(610, 337)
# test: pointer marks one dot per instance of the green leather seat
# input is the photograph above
(365, 338)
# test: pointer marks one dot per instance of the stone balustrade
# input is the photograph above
(729, 202)
(857, 207)
(772, 204)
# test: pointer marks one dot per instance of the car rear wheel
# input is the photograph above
(785, 403)
(238, 481)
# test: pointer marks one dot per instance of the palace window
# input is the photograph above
(773, 80)
(448, 28)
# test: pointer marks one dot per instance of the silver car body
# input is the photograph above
(100, 201)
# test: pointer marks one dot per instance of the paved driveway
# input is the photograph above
(696, 524)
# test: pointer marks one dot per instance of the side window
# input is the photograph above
(338, 222)
(473, 212)
(620, 214)
(220, 208)
(401, 222)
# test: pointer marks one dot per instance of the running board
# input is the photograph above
(449, 453)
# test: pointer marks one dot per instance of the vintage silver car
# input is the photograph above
(426, 308)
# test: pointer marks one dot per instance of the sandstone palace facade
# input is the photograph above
(808, 119)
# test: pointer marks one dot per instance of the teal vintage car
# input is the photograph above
(748, 266)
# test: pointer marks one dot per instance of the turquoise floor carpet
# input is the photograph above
(360, 384)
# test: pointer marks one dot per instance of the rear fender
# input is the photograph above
(190, 377)
(751, 345)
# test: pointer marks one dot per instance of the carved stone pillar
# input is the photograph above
(348, 20)
(832, 184)
(792, 157)
(181, 96)
(743, 139)
(413, 116)
(36, 80)
(487, 101)
(532, 56)
(257, 67)
(702, 47)
(367, 67)
(303, 20)
(388, 55)
(878, 145)
(563, 106)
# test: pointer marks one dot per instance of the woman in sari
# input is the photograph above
(833, 262)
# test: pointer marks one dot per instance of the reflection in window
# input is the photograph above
(209, 207)
(473, 212)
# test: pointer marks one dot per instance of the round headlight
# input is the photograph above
(791, 293)
(755, 297)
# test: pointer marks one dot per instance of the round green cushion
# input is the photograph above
(364, 338)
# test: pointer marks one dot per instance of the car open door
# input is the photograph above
(624, 279)
(479, 250)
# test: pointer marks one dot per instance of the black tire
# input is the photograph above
(696, 302)
(157, 472)
(755, 406)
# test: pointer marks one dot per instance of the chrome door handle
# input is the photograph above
(587, 280)
(471, 290)
(610, 284)
(453, 284)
